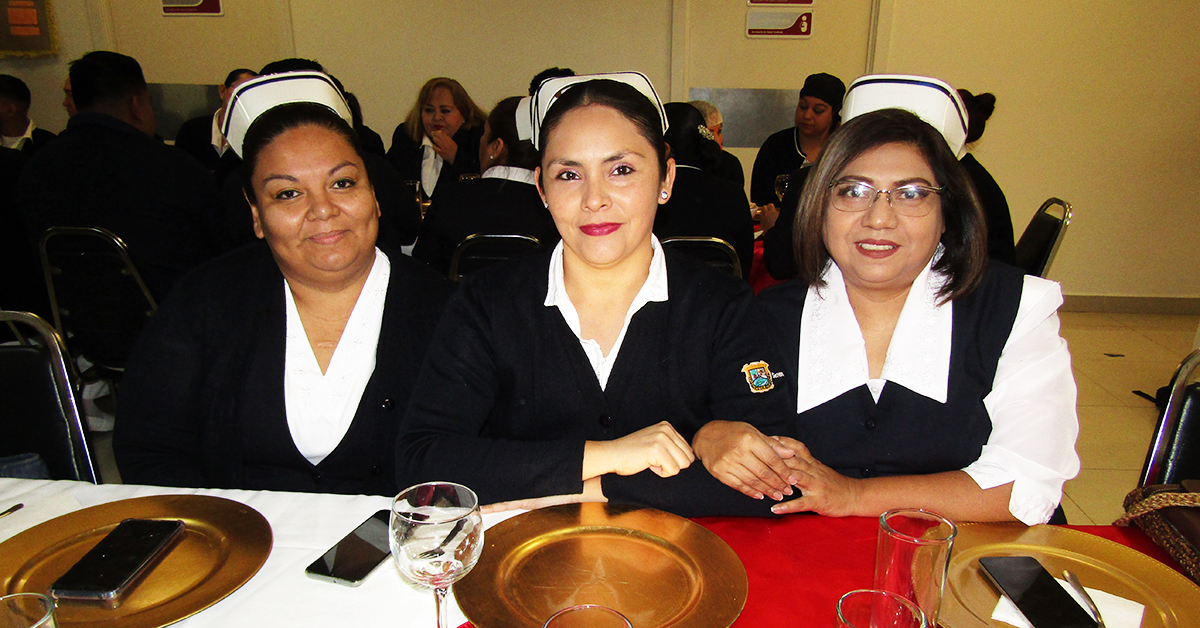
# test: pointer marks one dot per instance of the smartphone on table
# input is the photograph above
(123, 556)
(355, 556)
(1035, 592)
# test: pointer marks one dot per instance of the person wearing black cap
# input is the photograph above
(817, 115)
(995, 205)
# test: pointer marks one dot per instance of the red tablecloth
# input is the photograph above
(798, 566)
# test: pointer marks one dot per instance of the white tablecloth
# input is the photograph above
(304, 526)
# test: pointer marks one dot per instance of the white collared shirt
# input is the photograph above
(18, 142)
(218, 138)
(1031, 404)
(431, 166)
(321, 406)
(655, 289)
(511, 173)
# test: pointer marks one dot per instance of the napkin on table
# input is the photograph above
(1117, 611)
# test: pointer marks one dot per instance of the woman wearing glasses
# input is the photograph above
(924, 376)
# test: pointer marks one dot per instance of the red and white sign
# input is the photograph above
(191, 7)
(777, 24)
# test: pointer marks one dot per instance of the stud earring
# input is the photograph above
(665, 195)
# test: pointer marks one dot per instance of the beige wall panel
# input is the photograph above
(384, 50)
(201, 50)
(1099, 104)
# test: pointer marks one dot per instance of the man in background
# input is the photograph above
(18, 131)
(108, 171)
(202, 138)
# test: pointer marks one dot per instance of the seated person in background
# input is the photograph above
(108, 171)
(284, 365)
(924, 376)
(202, 138)
(18, 131)
(503, 201)
(439, 140)
(728, 166)
(701, 203)
(792, 152)
(400, 212)
(581, 373)
(1001, 245)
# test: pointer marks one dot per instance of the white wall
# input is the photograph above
(1097, 103)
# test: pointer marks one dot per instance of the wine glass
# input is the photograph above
(436, 536)
(781, 185)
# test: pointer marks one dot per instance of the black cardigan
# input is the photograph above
(202, 401)
(507, 397)
(405, 155)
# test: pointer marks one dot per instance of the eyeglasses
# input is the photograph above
(906, 200)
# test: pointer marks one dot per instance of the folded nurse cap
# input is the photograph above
(532, 109)
(931, 100)
(256, 96)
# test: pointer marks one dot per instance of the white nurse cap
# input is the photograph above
(258, 95)
(532, 109)
(930, 99)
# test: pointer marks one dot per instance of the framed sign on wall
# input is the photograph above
(27, 30)
(192, 7)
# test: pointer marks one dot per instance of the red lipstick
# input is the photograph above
(876, 249)
(600, 228)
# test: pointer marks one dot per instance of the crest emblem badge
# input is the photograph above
(758, 376)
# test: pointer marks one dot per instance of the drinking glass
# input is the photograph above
(913, 555)
(436, 536)
(868, 608)
(26, 610)
(781, 183)
(587, 616)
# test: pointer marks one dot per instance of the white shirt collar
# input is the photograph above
(512, 173)
(431, 166)
(833, 354)
(18, 142)
(218, 138)
(655, 289)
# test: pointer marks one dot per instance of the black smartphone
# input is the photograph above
(118, 560)
(1036, 593)
(356, 556)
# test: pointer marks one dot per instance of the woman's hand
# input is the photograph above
(823, 490)
(659, 448)
(743, 458)
(767, 216)
(444, 145)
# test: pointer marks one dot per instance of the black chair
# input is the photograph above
(713, 252)
(1174, 453)
(98, 299)
(38, 408)
(480, 250)
(1040, 241)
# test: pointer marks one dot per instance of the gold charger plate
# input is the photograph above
(656, 568)
(223, 545)
(1171, 600)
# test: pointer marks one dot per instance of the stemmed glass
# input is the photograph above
(781, 185)
(436, 536)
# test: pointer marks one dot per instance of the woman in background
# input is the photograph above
(1001, 245)
(439, 140)
(502, 201)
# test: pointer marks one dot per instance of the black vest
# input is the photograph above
(906, 433)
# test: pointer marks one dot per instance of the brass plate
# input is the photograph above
(224, 544)
(654, 567)
(1171, 600)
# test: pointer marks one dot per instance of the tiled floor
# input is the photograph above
(1113, 355)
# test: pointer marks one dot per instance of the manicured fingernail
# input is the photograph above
(776, 508)
(758, 496)
(787, 491)
(778, 496)
(793, 480)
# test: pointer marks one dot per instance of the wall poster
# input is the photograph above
(26, 29)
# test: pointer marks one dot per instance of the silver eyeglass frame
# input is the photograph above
(911, 186)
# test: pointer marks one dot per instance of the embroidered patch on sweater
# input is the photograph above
(758, 376)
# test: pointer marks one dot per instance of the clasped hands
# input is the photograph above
(763, 466)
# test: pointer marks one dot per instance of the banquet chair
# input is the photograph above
(39, 412)
(1174, 453)
(97, 296)
(479, 250)
(1040, 241)
(713, 252)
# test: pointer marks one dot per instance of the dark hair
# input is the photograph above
(277, 121)
(965, 238)
(291, 65)
(979, 109)
(103, 77)
(233, 76)
(502, 124)
(14, 89)
(548, 73)
(687, 142)
(626, 99)
(472, 115)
